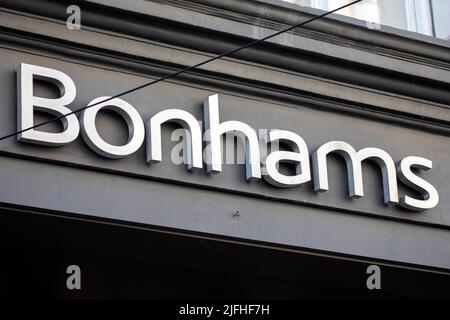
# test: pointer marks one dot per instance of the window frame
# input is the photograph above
(420, 23)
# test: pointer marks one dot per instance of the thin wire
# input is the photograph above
(174, 74)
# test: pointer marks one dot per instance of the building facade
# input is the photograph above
(361, 111)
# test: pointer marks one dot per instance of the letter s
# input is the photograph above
(405, 174)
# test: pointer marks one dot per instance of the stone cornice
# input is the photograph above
(399, 85)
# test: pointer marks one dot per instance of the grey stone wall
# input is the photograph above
(335, 80)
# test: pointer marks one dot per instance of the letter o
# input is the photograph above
(136, 130)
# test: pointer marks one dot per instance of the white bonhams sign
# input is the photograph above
(213, 131)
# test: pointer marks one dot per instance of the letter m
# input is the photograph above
(353, 162)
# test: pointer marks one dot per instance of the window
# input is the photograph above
(441, 17)
(429, 17)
